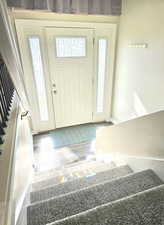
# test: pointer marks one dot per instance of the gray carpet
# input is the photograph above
(80, 183)
(144, 208)
(80, 201)
(53, 177)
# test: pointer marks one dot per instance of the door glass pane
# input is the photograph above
(70, 46)
(102, 53)
(34, 44)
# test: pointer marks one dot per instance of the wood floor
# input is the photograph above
(49, 157)
(58, 158)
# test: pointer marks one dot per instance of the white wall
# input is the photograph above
(15, 164)
(139, 87)
(24, 160)
(141, 137)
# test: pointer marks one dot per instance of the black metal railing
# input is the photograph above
(6, 95)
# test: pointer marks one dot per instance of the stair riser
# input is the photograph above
(55, 172)
(78, 184)
(53, 180)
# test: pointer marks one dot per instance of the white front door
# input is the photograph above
(70, 56)
(60, 64)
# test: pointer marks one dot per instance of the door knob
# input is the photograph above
(54, 85)
(55, 92)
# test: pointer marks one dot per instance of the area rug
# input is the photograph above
(74, 135)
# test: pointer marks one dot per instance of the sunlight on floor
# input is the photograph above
(48, 156)
(46, 143)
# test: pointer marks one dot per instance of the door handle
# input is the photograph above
(55, 92)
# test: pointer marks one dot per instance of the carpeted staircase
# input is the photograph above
(108, 195)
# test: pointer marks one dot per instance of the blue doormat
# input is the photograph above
(75, 135)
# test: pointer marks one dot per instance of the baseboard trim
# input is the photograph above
(22, 204)
(114, 120)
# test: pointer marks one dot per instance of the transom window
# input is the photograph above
(70, 46)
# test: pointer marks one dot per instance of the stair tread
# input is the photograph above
(80, 183)
(55, 177)
(80, 201)
(41, 175)
(144, 208)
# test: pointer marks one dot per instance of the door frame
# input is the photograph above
(36, 27)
